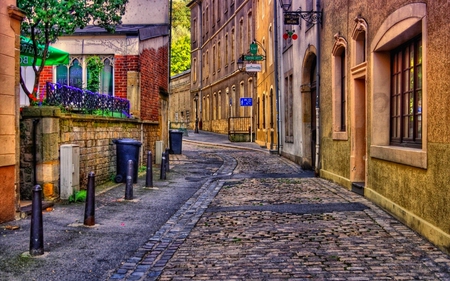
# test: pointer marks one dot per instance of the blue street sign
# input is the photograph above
(246, 101)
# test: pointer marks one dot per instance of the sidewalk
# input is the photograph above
(220, 140)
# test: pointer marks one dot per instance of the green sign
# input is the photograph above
(254, 48)
(253, 57)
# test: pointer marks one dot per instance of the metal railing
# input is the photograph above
(239, 125)
(77, 100)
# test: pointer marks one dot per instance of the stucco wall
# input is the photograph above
(417, 192)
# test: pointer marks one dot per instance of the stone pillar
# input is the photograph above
(47, 148)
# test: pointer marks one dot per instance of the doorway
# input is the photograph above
(358, 137)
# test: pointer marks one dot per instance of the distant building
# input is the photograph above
(221, 32)
(182, 108)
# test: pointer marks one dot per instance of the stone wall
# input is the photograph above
(92, 134)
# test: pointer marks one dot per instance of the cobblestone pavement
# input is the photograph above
(260, 217)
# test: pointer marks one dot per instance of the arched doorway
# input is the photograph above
(308, 90)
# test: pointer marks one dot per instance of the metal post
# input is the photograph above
(149, 175)
(167, 160)
(89, 210)
(163, 167)
(37, 229)
(129, 181)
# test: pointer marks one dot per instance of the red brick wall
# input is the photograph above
(154, 80)
(46, 76)
(123, 64)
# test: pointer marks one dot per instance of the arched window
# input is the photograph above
(339, 92)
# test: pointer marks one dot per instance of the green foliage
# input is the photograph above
(181, 37)
(79, 196)
(181, 55)
(94, 66)
(181, 14)
(46, 20)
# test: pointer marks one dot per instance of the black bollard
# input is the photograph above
(37, 229)
(89, 210)
(163, 167)
(149, 175)
(167, 160)
(129, 181)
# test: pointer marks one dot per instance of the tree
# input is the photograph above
(181, 55)
(46, 20)
(181, 37)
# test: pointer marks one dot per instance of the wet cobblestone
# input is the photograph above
(209, 239)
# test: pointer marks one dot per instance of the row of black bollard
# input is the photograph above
(129, 181)
(37, 229)
(89, 210)
(165, 165)
(149, 175)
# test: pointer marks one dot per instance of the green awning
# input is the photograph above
(54, 57)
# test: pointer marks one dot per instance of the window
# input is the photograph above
(289, 112)
(219, 57)
(339, 90)
(233, 39)
(76, 74)
(226, 50)
(250, 27)
(241, 36)
(406, 94)
(214, 60)
(194, 70)
(406, 141)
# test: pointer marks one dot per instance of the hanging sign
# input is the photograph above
(291, 19)
(254, 48)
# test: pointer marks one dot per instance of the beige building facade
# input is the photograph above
(221, 32)
(267, 94)
(384, 122)
(181, 109)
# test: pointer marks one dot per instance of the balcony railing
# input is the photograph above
(77, 100)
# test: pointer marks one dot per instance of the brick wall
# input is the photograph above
(154, 81)
(123, 64)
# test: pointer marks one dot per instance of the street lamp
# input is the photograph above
(293, 17)
(196, 113)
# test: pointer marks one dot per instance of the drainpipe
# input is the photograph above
(277, 95)
(170, 65)
(200, 62)
(317, 168)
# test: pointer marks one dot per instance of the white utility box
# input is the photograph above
(69, 170)
(158, 151)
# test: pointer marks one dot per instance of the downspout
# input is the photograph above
(200, 64)
(170, 65)
(277, 95)
(317, 168)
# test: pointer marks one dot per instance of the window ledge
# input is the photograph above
(340, 135)
(403, 155)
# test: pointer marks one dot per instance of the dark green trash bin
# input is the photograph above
(175, 141)
(126, 149)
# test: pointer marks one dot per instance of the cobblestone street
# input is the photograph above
(262, 218)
